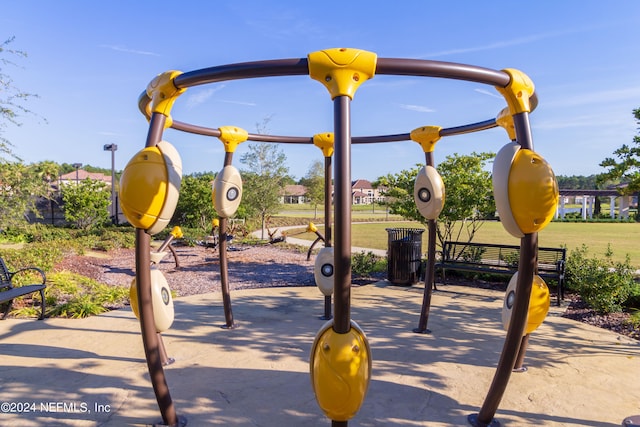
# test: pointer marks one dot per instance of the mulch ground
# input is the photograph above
(197, 271)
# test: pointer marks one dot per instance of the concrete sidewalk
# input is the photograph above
(92, 372)
(307, 243)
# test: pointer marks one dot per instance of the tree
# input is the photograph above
(577, 182)
(468, 189)
(12, 99)
(626, 169)
(86, 203)
(20, 187)
(314, 182)
(469, 195)
(195, 208)
(263, 180)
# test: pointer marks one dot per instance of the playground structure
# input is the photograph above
(525, 191)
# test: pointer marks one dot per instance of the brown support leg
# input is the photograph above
(429, 280)
(327, 202)
(224, 274)
(166, 360)
(145, 308)
(513, 339)
(429, 277)
(149, 333)
(327, 308)
(519, 366)
(175, 257)
(342, 205)
(327, 226)
(527, 266)
(224, 270)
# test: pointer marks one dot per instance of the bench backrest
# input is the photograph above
(500, 256)
(5, 276)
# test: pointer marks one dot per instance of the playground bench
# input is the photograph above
(501, 259)
(8, 292)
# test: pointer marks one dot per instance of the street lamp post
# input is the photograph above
(114, 207)
(77, 166)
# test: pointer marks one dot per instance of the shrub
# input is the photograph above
(634, 298)
(602, 283)
(49, 233)
(78, 307)
(41, 255)
(634, 319)
(363, 264)
(29, 233)
(72, 295)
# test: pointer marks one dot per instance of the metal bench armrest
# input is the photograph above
(40, 271)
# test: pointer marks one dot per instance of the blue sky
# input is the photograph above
(90, 61)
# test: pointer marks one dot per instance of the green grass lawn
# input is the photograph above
(374, 212)
(623, 237)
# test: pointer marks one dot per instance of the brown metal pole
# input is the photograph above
(519, 366)
(328, 190)
(514, 334)
(149, 334)
(327, 308)
(175, 256)
(342, 206)
(166, 360)
(429, 276)
(526, 270)
(224, 270)
(150, 339)
(429, 279)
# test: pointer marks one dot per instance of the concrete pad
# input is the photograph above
(90, 372)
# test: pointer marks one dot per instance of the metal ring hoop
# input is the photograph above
(292, 67)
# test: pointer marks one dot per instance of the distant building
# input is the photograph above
(363, 193)
(294, 194)
(81, 175)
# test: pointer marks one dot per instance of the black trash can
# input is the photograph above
(404, 255)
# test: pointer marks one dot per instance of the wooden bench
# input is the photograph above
(8, 292)
(501, 259)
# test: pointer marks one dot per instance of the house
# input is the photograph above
(363, 193)
(294, 194)
(81, 175)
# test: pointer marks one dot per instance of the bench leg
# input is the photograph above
(6, 310)
(42, 306)
(560, 290)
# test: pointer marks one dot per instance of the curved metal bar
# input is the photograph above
(473, 127)
(215, 132)
(312, 245)
(299, 66)
(243, 70)
(449, 70)
(457, 130)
